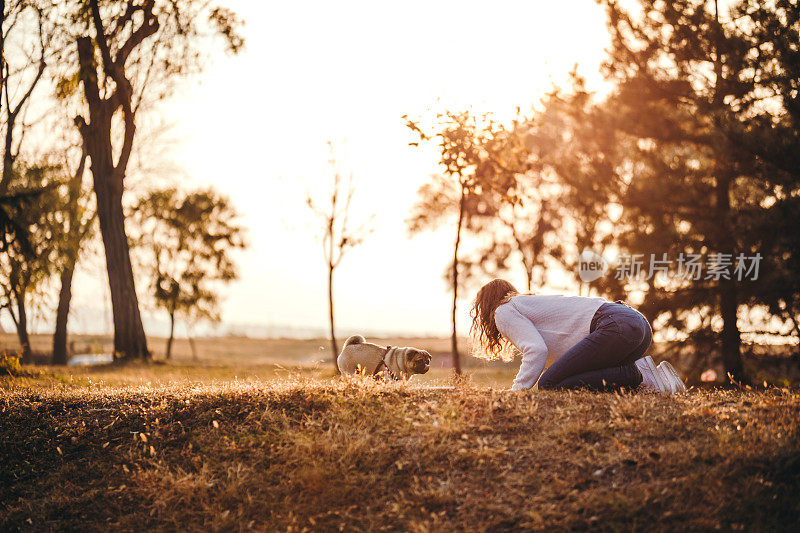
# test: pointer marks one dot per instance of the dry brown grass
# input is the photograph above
(239, 357)
(299, 453)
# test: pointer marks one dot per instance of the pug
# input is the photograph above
(391, 361)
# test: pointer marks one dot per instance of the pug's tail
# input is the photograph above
(355, 339)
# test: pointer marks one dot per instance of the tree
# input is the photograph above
(479, 158)
(32, 28)
(337, 236)
(20, 80)
(576, 149)
(137, 41)
(188, 241)
(27, 203)
(532, 216)
(26, 265)
(772, 135)
(12, 230)
(526, 234)
(78, 222)
(704, 102)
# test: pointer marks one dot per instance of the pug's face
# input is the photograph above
(418, 361)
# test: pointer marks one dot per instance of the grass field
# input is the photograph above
(182, 447)
(257, 358)
(229, 358)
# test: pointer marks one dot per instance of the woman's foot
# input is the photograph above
(651, 377)
(667, 379)
(672, 377)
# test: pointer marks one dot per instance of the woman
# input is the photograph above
(599, 344)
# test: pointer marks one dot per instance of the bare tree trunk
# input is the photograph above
(521, 247)
(454, 339)
(2, 48)
(192, 346)
(60, 355)
(8, 155)
(129, 338)
(334, 344)
(22, 328)
(728, 297)
(171, 334)
(731, 337)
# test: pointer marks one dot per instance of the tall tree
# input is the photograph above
(20, 80)
(136, 41)
(26, 265)
(187, 241)
(576, 152)
(338, 233)
(772, 135)
(78, 221)
(34, 31)
(478, 158)
(698, 93)
(25, 223)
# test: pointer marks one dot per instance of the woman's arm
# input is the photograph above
(515, 327)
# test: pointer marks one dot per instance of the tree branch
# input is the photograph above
(88, 72)
(124, 92)
(126, 17)
(149, 27)
(39, 71)
(101, 40)
(127, 143)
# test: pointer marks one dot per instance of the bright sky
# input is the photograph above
(256, 127)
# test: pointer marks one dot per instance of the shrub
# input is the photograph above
(9, 363)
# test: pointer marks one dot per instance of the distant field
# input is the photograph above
(243, 357)
(238, 350)
(227, 358)
(295, 454)
(183, 373)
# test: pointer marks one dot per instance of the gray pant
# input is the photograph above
(603, 360)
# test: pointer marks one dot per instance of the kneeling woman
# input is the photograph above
(598, 344)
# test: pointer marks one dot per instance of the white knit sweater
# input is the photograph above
(543, 324)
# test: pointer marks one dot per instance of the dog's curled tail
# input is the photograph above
(355, 339)
(343, 360)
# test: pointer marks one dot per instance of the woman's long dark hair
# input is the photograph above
(486, 337)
